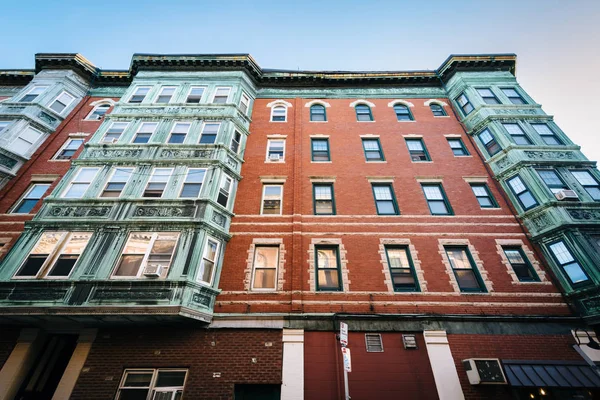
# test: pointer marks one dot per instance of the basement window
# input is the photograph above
(374, 343)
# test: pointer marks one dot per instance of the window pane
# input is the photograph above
(170, 378)
(133, 394)
(479, 190)
(458, 258)
(514, 256)
(527, 200)
(433, 193)
(415, 145)
(385, 207)
(517, 185)
(328, 279)
(327, 258)
(139, 379)
(32, 265)
(584, 177)
(562, 254)
(467, 280)
(438, 207)
(398, 258)
(575, 272)
(264, 279)
(129, 265)
(383, 192)
(37, 191)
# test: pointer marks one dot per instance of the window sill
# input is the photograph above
(365, 121)
(274, 162)
(490, 208)
(441, 116)
(278, 122)
(376, 162)
(319, 122)
(532, 283)
(320, 162)
(422, 162)
(412, 120)
(69, 160)
(465, 156)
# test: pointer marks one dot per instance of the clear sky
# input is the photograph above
(557, 42)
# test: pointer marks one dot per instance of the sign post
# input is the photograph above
(345, 356)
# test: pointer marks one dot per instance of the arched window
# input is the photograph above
(98, 112)
(317, 113)
(403, 112)
(363, 112)
(437, 110)
(279, 114)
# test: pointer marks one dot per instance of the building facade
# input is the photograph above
(221, 221)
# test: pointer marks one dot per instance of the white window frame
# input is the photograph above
(215, 261)
(204, 88)
(66, 190)
(229, 190)
(184, 182)
(144, 262)
(204, 123)
(173, 128)
(262, 200)
(64, 146)
(97, 106)
(120, 135)
(152, 388)
(31, 144)
(245, 100)
(112, 174)
(135, 91)
(215, 94)
(233, 140)
(50, 261)
(267, 157)
(66, 105)
(160, 92)
(166, 182)
(140, 127)
(45, 87)
(256, 247)
(26, 193)
(275, 106)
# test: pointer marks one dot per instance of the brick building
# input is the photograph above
(222, 221)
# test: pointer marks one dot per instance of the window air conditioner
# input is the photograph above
(274, 157)
(484, 371)
(153, 270)
(566, 194)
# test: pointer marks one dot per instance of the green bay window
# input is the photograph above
(571, 267)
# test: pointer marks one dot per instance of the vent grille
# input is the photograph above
(374, 343)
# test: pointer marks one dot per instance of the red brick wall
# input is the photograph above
(507, 347)
(114, 350)
(394, 374)
(41, 163)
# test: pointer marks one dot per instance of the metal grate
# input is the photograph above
(374, 343)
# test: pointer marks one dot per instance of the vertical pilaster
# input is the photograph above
(71, 374)
(442, 365)
(292, 387)
(19, 362)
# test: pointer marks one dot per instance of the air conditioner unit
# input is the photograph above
(566, 194)
(274, 157)
(166, 394)
(153, 270)
(484, 371)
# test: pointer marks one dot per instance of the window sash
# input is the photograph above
(210, 258)
(116, 184)
(403, 113)
(589, 183)
(464, 104)
(488, 96)
(194, 95)
(464, 269)
(570, 266)
(179, 132)
(25, 141)
(165, 95)
(192, 185)
(436, 199)
(272, 200)
(146, 253)
(152, 387)
(139, 94)
(548, 135)
(318, 113)
(236, 140)
(327, 277)
(80, 183)
(489, 142)
(264, 274)
(63, 101)
(484, 195)
(98, 112)
(437, 110)
(372, 149)
(323, 199)
(363, 112)
(115, 131)
(279, 114)
(320, 150)
(552, 180)
(385, 200)
(520, 264)
(145, 132)
(513, 96)
(157, 183)
(402, 272)
(458, 147)
(224, 190)
(244, 103)
(30, 199)
(417, 150)
(33, 93)
(69, 149)
(517, 133)
(522, 192)
(276, 146)
(221, 95)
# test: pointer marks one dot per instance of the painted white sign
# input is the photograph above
(343, 334)
(347, 359)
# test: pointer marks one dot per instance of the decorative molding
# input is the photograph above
(343, 261)
(403, 102)
(412, 136)
(528, 253)
(382, 179)
(551, 155)
(103, 101)
(250, 262)
(474, 254)
(361, 101)
(414, 255)
(429, 179)
(453, 135)
(435, 101)
(219, 219)
(583, 213)
(279, 102)
(276, 136)
(322, 179)
(321, 102)
(475, 179)
(44, 177)
(8, 162)
(144, 211)
(176, 153)
(273, 179)
(115, 153)
(57, 211)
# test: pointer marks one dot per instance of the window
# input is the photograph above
(437, 110)
(244, 104)
(513, 96)
(272, 199)
(483, 195)
(266, 261)
(80, 184)
(192, 183)
(517, 134)
(4, 125)
(158, 182)
(98, 112)
(324, 203)
(401, 269)
(33, 194)
(403, 113)
(209, 132)
(25, 141)
(209, 259)
(61, 102)
(385, 201)
(115, 185)
(464, 104)
(279, 114)
(489, 142)
(145, 132)
(374, 343)
(54, 255)
(224, 190)
(328, 268)
(547, 135)
(458, 147)
(372, 149)
(221, 95)
(318, 113)
(139, 94)
(320, 150)
(276, 150)
(114, 132)
(417, 150)
(166, 94)
(552, 180)
(363, 113)
(589, 183)
(195, 95)
(520, 264)
(33, 93)
(488, 96)
(522, 192)
(68, 150)
(147, 253)
(436, 199)
(155, 384)
(464, 269)
(236, 140)
(570, 266)
(179, 132)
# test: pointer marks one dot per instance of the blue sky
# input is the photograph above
(556, 41)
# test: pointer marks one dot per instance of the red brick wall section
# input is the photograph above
(395, 373)
(8, 340)
(507, 347)
(204, 352)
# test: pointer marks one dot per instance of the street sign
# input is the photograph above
(343, 334)
(347, 359)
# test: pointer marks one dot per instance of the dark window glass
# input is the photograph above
(317, 113)
(522, 193)
(401, 269)
(568, 263)
(417, 150)
(464, 104)
(323, 199)
(464, 269)
(403, 112)
(489, 142)
(31, 198)
(589, 183)
(488, 96)
(513, 96)
(437, 110)
(320, 150)
(547, 135)
(328, 269)
(517, 134)
(363, 113)
(520, 264)
(458, 147)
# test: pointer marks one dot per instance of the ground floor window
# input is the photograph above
(152, 384)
